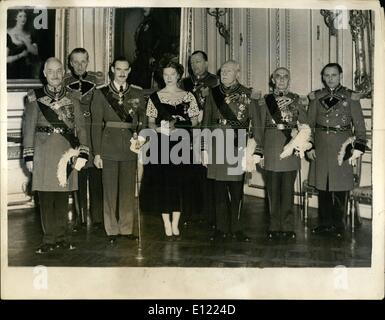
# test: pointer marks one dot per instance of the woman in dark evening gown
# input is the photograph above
(22, 51)
(163, 185)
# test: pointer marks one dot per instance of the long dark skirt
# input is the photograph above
(162, 186)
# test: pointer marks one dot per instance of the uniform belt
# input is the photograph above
(334, 129)
(231, 123)
(54, 130)
(280, 126)
(120, 125)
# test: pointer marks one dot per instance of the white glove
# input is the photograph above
(98, 162)
(29, 165)
(80, 163)
(165, 127)
(251, 162)
(356, 154)
(311, 154)
(341, 153)
(137, 143)
(205, 157)
(257, 158)
(300, 143)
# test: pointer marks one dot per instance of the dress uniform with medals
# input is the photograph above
(84, 87)
(202, 204)
(118, 114)
(279, 113)
(228, 109)
(335, 116)
(54, 134)
(199, 86)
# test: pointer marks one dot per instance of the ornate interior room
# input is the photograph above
(261, 40)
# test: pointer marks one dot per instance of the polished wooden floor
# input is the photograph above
(194, 250)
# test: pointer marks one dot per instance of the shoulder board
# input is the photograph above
(312, 95)
(97, 74)
(213, 78)
(136, 87)
(67, 78)
(244, 89)
(31, 96)
(293, 95)
(303, 100)
(67, 75)
(97, 77)
(104, 89)
(355, 96)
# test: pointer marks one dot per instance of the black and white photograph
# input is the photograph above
(193, 151)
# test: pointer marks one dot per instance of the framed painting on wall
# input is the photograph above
(30, 41)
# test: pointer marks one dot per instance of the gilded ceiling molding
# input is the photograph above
(223, 30)
(190, 26)
(205, 31)
(358, 22)
(329, 18)
(248, 45)
(232, 35)
(66, 31)
(288, 38)
(277, 39)
(109, 21)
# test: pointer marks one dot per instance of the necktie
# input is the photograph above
(120, 95)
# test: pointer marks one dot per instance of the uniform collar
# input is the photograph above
(54, 93)
(201, 78)
(230, 90)
(280, 93)
(115, 87)
(335, 90)
(77, 77)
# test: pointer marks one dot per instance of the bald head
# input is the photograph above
(230, 72)
(232, 64)
(53, 71)
(281, 78)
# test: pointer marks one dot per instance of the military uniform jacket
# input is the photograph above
(332, 117)
(200, 87)
(238, 100)
(47, 148)
(83, 89)
(271, 138)
(110, 134)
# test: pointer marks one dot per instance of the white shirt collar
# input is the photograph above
(117, 85)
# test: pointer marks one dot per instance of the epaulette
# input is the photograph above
(99, 77)
(103, 86)
(303, 100)
(355, 96)
(136, 87)
(312, 95)
(293, 95)
(31, 96)
(67, 77)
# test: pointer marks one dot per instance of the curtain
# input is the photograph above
(186, 37)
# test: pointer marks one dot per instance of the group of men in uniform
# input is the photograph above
(71, 120)
(72, 128)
